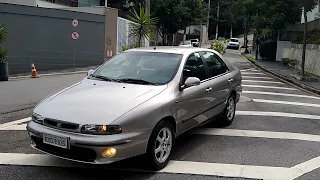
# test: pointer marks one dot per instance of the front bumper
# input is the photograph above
(87, 148)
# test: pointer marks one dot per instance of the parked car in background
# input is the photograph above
(234, 43)
(195, 42)
(136, 103)
(186, 44)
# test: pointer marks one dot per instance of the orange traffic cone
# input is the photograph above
(34, 73)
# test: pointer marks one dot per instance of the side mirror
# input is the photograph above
(191, 81)
(90, 72)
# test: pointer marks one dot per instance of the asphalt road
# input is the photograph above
(275, 135)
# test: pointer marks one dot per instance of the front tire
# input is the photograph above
(229, 112)
(160, 145)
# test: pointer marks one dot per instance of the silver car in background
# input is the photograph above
(136, 103)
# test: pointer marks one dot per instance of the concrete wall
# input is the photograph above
(46, 4)
(43, 36)
(312, 57)
(311, 15)
(280, 46)
(21, 2)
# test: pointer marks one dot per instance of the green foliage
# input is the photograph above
(219, 47)
(251, 59)
(290, 62)
(124, 48)
(142, 25)
(268, 49)
(177, 14)
(310, 39)
(3, 39)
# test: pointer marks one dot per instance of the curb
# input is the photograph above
(285, 78)
(53, 74)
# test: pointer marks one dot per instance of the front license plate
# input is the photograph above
(56, 140)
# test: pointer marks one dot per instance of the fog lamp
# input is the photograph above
(109, 152)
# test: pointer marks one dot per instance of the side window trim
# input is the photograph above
(220, 60)
(204, 64)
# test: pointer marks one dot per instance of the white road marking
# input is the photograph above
(15, 122)
(176, 167)
(285, 102)
(273, 82)
(252, 73)
(257, 77)
(17, 127)
(269, 87)
(252, 69)
(256, 134)
(280, 94)
(303, 168)
(276, 114)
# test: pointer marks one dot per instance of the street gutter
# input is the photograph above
(53, 74)
(286, 79)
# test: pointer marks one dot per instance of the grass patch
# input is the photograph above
(251, 59)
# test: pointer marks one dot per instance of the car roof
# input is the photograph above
(168, 49)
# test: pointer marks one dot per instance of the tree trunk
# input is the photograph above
(185, 34)
(303, 60)
(246, 36)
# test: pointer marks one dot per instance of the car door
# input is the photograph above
(192, 102)
(219, 81)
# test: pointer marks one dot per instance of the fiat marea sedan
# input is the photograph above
(136, 103)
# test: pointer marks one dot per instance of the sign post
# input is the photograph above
(75, 36)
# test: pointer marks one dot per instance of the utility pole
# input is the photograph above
(218, 14)
(208, 20)
(106, 3)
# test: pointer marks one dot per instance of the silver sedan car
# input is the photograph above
(136, 103)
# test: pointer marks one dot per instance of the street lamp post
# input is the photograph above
(208, 20)
(217, 27)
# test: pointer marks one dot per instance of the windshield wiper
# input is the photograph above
(138, 81)
(105, 78)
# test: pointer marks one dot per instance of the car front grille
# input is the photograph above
(60, 124)
(74, 153)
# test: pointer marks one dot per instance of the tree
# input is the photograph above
(3, 39)
(245, 10)
(175, 15)
(307, 5)
(142, 25)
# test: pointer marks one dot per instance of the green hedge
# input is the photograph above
(268, 49)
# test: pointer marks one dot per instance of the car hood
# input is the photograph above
(95, 102)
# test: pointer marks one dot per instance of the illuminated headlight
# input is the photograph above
(101, 129)
(37, 118)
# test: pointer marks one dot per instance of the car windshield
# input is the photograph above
(194, 40)
(185, 43)
(234, 40)
(140, 68)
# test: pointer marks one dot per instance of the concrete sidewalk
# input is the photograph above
(284, 72)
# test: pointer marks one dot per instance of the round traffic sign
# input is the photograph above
(75, 23)
(75, 35)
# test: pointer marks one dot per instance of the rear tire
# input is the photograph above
(160, 146)
(228, 113)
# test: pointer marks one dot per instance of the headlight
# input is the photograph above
(37, 118)
(101, 129)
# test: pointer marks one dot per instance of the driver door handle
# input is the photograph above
(230, 80)
(208, 89)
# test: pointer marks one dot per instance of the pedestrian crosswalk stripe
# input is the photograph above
(276, 114)
(272, 82)
(15, 122)
(269, 87)
(280, 94)
(174, 167)
(256, 77)
(256, 134)
(285, 102)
